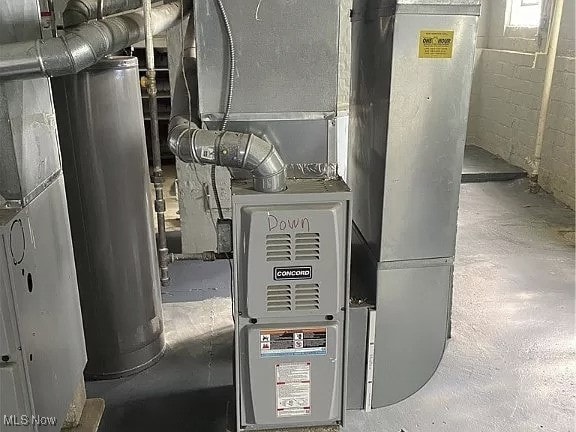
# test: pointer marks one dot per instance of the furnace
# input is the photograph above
(290, 303)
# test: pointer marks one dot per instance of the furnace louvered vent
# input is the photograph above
(278, 247)
(306, 297)
(279, 298)
(288, 298)
(307, 246)
(282, 247)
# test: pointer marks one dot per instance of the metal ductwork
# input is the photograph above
(84, 45)
(229, 149)
(81, 11)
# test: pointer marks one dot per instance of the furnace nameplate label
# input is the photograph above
(293, 342)
(293, 273)
(436, 44)
(292, 389)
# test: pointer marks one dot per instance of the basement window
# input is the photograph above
(525, 13)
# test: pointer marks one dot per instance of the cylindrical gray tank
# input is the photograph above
(100, 123)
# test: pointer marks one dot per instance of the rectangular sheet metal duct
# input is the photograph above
(412, 64)
(286, 78)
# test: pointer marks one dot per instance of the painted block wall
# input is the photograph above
(507, 95)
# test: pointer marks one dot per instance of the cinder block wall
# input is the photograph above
(507, 95)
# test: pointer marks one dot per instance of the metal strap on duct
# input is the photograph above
(81, 11)
(84, 45)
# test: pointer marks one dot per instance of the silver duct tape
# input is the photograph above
(323, 170)
(312, 170)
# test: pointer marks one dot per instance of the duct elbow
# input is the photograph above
(229, 149)
(266, 165)
(81, 11)
(245, 151)
(76, 12)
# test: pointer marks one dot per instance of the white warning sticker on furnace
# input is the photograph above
(293, 342)
(292, 389)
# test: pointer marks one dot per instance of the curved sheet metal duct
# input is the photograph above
(84, 45)
(81, 11)
(229, 149)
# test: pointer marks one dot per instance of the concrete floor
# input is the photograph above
(481, 166)
(510, 365)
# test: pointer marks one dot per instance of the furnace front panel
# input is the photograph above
(291, 289)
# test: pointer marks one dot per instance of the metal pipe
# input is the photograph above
(52, 11)
(229, 149)
(201, 256)
(548, 77)
(84, 45)
(100, 11)
(157, 177)
(81, 11)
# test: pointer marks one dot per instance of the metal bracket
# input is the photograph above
(206, 196)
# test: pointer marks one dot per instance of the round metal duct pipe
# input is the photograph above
(100, 123)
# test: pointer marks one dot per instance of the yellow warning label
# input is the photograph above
(436, 44)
